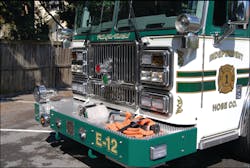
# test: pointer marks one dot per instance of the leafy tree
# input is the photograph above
(17, 19)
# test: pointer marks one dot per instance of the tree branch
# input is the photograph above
(51, 15)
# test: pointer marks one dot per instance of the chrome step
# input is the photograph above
(218, 139)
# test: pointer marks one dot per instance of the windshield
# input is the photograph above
(154, 14)
(94, 16)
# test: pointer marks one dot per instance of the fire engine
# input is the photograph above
(156, 80)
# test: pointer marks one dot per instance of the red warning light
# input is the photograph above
(98, 69)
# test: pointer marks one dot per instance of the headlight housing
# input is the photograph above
(156, 102)
(79, 88)
(76, 68)
(156, 67)
(79, 61)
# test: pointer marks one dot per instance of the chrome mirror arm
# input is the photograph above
(218, 39)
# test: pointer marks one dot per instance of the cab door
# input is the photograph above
(229, 62)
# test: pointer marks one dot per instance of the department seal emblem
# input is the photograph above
(226, 78)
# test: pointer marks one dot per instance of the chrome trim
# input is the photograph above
(245, 113)
(123, 72)
(218, 139)
(204, 16)
(192, 24)
(123, 58)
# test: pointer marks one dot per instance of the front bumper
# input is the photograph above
(132, 152)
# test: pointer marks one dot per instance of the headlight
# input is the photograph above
(154, 77)
(158, 104)
(145, 75)
(146, 101)
(146, 59)
(79, 88)
(78, 55)
(187, 23)
(157, 77)
(76, 68)
(155, 102)
(155, 58)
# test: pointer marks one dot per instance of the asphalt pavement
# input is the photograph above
(25, 143)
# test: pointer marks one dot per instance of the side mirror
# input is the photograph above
(66, 36)
(238, 13)
(65, 33)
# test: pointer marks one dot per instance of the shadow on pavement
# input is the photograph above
(80, 152)
(214, 157)
(224, 155)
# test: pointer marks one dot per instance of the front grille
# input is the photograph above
(120, 94)
(123, 71)
(123, 56)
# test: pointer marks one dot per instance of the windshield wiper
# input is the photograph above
(87, 4)
(101, 13)
(133, 23)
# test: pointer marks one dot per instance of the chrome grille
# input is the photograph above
(121, 94)
(123, 56)
(123, 73)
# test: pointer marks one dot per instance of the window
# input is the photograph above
(219, 18)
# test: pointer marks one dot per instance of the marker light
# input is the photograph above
(158, 152)
(98, 68)
(106, 79)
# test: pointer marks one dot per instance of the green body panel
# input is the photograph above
(123, 36)
(37, 117)
(189, 87)
(126, 151)
(243, 81)
(243, 71)
(195, 74)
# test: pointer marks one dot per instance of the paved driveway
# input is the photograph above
(24, 143)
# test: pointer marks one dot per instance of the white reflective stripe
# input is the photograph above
(25, 130)
(25, 101)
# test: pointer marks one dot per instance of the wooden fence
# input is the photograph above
(27, 63)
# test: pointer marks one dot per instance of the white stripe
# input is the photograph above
(24, 130)
(25, 101)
